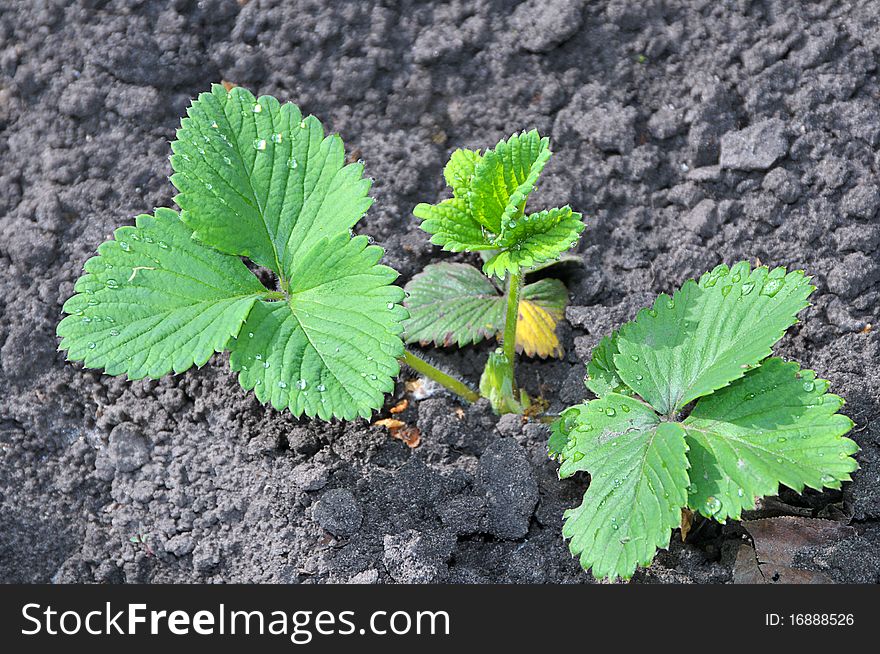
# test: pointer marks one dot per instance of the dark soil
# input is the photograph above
(689, 133)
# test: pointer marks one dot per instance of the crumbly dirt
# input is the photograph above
(689, 133)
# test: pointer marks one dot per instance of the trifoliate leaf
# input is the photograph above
(454, 303)
(639, 479)
(332, 348)
(258, 180)
(154, 301)
(708, 334)
(487, 211)
(602, 377)
(776, 425)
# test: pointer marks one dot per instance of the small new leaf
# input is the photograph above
(156, 301)
(487, 210)
(453, 303)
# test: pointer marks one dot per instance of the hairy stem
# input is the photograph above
(508, 342)
(423, 367)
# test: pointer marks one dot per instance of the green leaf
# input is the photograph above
(602, 377)
(776, 425)
(459, 172)
(453, 303)
(534, 239)
(452, 226)
(487, 212)
(708, 334)
(639, 479)
(256, 179)
(333, 348)
(506, 176)
(155, 301)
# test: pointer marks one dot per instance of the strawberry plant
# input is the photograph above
(263, 187)
(261, 183)
(454, 303)
(693, 412)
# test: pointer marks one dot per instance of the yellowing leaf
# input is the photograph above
(540, 310)
(536, 331)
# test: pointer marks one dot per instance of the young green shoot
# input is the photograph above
(453, 303)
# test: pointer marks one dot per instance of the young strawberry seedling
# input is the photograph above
(693, 412)
(453, 303)
(256, 181)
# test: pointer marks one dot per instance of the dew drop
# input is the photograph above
(809, 386)
(639, 378)
(713, 505)
(772, 287)
(301, 384)
(624, 408)
(747, 288)
(92, 345)
(125, 246)
(321, 388)
(214, 124)
(266, 364)
(634, 357)
(114, 332)
(257, 108)
(250, 334)
(302, 124)
(373, 377)
(390, 305)
(277, 137)
(292, 163)
(259, 144)
(610, 411)
(163, 245)
(112, 283)
(577, 456)
(725, 291)
(740, 492)
(282, 384)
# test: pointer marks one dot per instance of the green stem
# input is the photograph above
(508, 342)
(423, 367)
